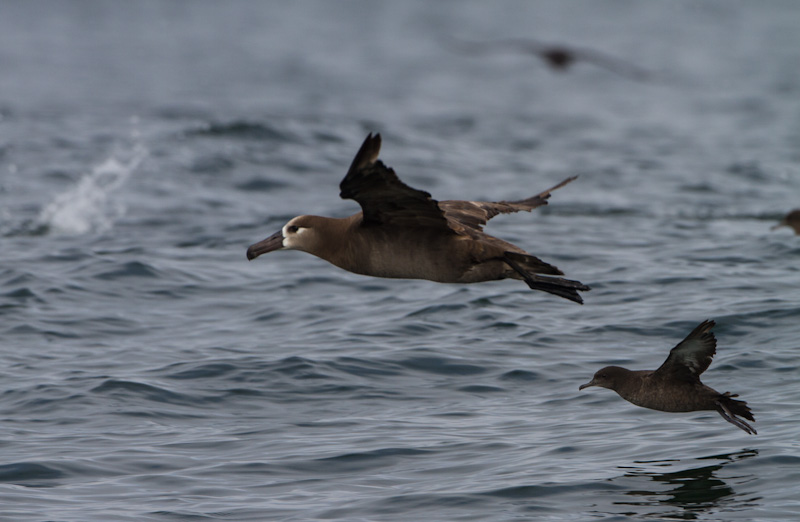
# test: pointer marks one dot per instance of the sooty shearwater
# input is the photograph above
(675, 386)
(403, 232)
(791, 220)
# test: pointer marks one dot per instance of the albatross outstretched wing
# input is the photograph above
(384, 199)
(693, 355)
(475, 214)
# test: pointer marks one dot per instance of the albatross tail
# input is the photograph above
(566, 288)
(527, 267)
(528, 264)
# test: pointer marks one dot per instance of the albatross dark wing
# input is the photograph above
(693, 355)
(475, 214)
(384, 199)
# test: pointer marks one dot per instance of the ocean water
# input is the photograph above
(151, 373)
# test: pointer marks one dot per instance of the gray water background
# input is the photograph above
(149, 372)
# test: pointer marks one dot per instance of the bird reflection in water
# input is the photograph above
(694, 490)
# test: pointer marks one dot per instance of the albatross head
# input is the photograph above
(297, 234)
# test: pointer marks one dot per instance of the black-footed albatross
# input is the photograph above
(675, 386)
(403, 232)
(558, 57)
(791, 220)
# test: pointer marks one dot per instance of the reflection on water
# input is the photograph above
(692, 491)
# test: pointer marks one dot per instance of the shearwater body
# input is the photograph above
(151, 373)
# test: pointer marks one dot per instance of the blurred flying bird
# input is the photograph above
(558, 57)
(791, 220)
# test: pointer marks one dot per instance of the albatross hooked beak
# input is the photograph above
(273, 242)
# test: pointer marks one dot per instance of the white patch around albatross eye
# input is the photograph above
(290, 232)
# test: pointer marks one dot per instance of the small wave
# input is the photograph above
(778, 460)
(132, 389)
(441, 366)
(364, 368)
(28, 473)
(369, 460)
(212, 164)
(750, 170)
(375, 454)
(289, 379)
(130, 269)
(204, 371)
(439, 308)
(422, 503)
(520, 376)
(21, 296)
(480, 389)
(241, 129)
(260, 185)
(86, 207)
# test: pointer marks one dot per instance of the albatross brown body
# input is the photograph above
(675, 386)
(404, 233)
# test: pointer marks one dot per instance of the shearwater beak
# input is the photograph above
(273, 242)
(590, 383)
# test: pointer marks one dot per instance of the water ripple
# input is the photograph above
(242, 129)
(30, 474)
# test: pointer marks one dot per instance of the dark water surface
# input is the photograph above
(149, 372)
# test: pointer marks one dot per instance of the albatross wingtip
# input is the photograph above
(368, 152)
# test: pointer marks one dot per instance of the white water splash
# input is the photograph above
(86, 207)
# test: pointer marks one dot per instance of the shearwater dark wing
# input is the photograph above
(475, 214)
(693, 355)
(516, 45)
(612, 63)
(384, 199)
